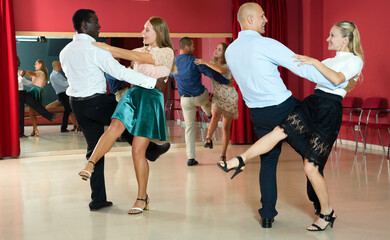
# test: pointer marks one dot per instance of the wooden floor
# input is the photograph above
(42, 197)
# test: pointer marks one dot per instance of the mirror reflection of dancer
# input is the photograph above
(225, 99)
(39, 79)
(312, 127)
(140, 110)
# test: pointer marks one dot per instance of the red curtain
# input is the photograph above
(9, 105)
(275, 11)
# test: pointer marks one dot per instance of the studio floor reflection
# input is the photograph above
(42, 197)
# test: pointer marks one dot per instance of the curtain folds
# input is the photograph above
(275, 11)
(9, 105)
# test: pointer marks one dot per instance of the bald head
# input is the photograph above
(56, 66)
(251, 17)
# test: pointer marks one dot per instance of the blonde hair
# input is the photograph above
(44, 69)
(224, 46)
(350, 30)
(163, 38)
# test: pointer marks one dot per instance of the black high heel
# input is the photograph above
(238, 169)
(328, 218)
(209, 144)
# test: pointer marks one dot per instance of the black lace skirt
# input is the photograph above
(314, 125)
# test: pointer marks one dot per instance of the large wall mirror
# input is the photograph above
(30, 49)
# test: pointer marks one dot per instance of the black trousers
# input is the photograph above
(264, 121)
(92, 115)
(64, 99)
(27, 98)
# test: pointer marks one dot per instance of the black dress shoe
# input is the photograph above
(267, 223)
(209, 143)
(23, 136)
(106, 204)
(152, 153)
(65, 130)
(192, 162)
(120, 139)
(55, 116)
(317, 208)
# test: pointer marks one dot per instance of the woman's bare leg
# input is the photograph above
(141, 168)
(320, 187)
(74, 122)
(261, 146)
(52, 104)
(226, 127)
(213, 123)
(33, 120)
(105, 143)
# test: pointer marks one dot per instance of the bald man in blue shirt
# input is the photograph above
(254, 62)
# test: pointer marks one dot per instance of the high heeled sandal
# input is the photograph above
(140, 210)
(209, 143)
(327, 218)
(238, 169)
(34, 133)
(89, 174)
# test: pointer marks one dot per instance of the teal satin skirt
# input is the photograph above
(37, 93)
(142, 112)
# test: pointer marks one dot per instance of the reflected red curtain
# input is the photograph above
(275, 11)
(9, 105)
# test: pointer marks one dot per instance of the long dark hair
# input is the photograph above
(224, 46)
(163, 38)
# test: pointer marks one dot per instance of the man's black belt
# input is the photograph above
(85, 98)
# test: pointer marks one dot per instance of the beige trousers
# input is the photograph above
(189, 106)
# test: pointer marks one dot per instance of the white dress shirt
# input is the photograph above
(254, 60)
(84, 66)
(22, 81)
(58, 81)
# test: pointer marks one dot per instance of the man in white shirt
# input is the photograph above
(27, 98)
(84, 66)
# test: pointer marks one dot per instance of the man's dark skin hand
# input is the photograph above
(160, 84)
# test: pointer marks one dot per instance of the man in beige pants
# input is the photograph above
(192, 92)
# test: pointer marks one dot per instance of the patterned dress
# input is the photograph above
(141, 110)
(225, 98)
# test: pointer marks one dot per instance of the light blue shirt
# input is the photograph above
(254, 60)
(59, 82)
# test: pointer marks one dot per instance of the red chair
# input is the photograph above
(376, 118)
(351, 114)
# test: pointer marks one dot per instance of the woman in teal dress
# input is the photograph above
(39, 79)
(140, 111)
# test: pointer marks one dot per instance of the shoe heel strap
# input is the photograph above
(241, 162)
(91, 162)
(328, 217)
(144, 199)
